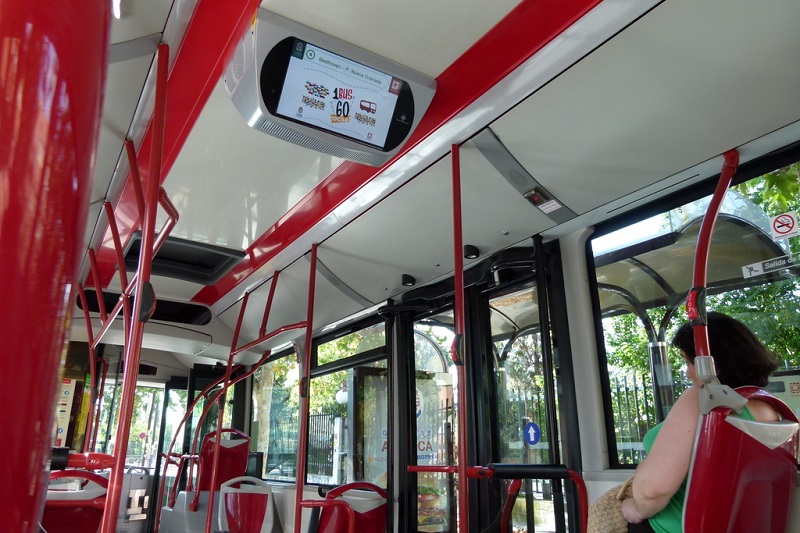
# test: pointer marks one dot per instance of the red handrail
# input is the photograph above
(518, 472)
(457, 351)
(170, 455)
(508, 506)
(227, 382)
(135, 331)
(217, 398)
(91, 427)
(695, 301)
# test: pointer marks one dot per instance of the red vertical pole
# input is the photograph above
(305, 368)
(133, 342)
(458, 344)
(52, 71)
(221, 415)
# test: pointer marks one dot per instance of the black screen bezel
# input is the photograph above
(273, 75)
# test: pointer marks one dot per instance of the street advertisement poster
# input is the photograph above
(376, 430)
(433, 412)
(434, 416)
(64, 410)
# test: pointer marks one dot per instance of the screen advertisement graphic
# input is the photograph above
(328, 91)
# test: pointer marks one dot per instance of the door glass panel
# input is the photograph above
(348, 426)
(146, 419)
(522, 407)
(176, 408)
(435, 431)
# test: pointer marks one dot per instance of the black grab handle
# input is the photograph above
(523, 471)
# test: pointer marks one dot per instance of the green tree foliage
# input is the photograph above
(776, 192)
(145, 421)
(769, 309)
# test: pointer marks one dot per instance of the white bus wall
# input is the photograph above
(285, 496)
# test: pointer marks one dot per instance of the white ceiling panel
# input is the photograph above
(669, 92)
(412, 231)
(123, 86)
(250, 178)
(289, 305)
(419, 34)
(139, 18)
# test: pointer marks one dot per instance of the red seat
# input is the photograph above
(75, 511)
(233, 456)
(368, 510)
(737, 484)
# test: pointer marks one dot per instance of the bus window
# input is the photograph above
(643, 273)
(353, 344)
(348, 409)
(275, 422)
(143, 440)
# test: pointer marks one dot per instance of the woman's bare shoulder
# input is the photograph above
(762, 411)
(689, 397)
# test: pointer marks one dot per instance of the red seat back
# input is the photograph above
(736, 483)
(233, 456)
(369, 520)
(76, 514)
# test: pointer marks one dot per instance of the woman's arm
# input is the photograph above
(660, 475)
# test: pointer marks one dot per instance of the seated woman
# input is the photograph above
(659, 487)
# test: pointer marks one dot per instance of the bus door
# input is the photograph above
(200, 378)
(173, 409)
(204, 414)
(528, 412)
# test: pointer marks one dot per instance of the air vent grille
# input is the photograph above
(165, 311)
(187, 260)
(295, 137)
(242, 58)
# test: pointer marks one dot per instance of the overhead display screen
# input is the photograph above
(330, 92)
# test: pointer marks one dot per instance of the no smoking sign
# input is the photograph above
(784, 226)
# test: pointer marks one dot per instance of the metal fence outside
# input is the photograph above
(632, 408)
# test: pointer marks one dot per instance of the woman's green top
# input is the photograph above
(670, 518)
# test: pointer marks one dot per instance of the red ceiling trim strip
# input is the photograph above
(522, 33)
(209, 42)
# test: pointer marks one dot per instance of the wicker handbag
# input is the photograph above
(605, 514)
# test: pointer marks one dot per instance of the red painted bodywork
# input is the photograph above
(210, 40)
(52, 71)
(212, 34)
(522, 33)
